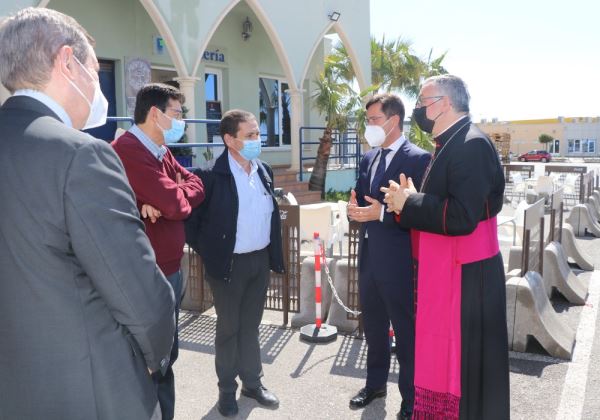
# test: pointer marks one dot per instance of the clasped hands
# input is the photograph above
(396, 194)
(366, 213)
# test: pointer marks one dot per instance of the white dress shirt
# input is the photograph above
(48, 101)
(394, 147)
(255, 206)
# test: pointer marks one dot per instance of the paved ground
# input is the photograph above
(316, 381)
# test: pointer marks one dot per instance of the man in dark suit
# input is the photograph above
(86, 313)
(386, 283)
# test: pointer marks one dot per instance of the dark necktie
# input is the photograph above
(379, 172)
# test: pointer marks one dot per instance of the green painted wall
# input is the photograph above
(122, 28)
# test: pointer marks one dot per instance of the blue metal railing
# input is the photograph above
(345, 148)
(187, 120)
(188, 163)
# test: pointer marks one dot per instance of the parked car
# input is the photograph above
(536, 156)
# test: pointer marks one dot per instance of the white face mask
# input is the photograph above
(375, 134)
(98, 106)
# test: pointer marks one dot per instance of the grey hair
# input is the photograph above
(30, 41)
(453, 87)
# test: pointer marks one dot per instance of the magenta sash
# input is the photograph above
(438, 336)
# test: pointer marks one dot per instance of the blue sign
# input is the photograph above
(214, 56)
(159, 45)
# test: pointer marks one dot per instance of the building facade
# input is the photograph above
(575, 137)
(260, 55)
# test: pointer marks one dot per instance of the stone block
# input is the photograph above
(530, 314)
(573, 251)
(558, 275)
(515, 255)
(582, 221)
(592, 207)
(337, 315)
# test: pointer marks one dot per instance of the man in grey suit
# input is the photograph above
(85, 312)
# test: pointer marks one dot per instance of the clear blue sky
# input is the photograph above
(521, 59)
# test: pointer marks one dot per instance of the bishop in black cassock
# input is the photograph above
(461, 193)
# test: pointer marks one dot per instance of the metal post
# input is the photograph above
(301, 137)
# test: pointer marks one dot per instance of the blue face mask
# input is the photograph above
(173, 134)
(251, 149)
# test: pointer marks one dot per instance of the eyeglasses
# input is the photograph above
(420, 99)
(177, 111)
(371, 120)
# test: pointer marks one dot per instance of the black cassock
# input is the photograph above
(465, 185)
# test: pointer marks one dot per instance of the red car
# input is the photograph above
(536, 156)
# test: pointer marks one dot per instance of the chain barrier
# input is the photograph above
(333, 290)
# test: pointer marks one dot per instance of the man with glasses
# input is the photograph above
(165, 192)
(461, 363)
(86, 313)
(386, 285)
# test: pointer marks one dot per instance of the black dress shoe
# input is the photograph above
(262, 395)
(365, 396)
(406, 410)
(227, 404)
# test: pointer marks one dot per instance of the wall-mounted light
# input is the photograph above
(246, 29)
(334, 16)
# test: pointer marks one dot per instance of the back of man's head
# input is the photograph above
(230, 123)
(154, 94)
(30, 41)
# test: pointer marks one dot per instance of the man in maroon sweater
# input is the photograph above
(165, 192)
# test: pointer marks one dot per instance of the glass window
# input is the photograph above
(211, 92)
(592, 146)
(286, 124)
(275, 108)
(577, 146)
(570, 146)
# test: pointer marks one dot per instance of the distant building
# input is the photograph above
(573, 136)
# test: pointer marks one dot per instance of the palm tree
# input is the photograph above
(430, 68)
(337, 102)
(394, 68)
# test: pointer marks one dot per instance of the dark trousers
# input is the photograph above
(484, 342)
(239, 304)
(165, 384)
(385, 298)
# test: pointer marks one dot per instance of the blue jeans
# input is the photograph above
(165, 384)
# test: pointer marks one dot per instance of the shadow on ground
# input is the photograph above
(197, 333)
(351, 360)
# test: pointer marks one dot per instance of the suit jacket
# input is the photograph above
(389, 245)
(212, 226)
(84, 310)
